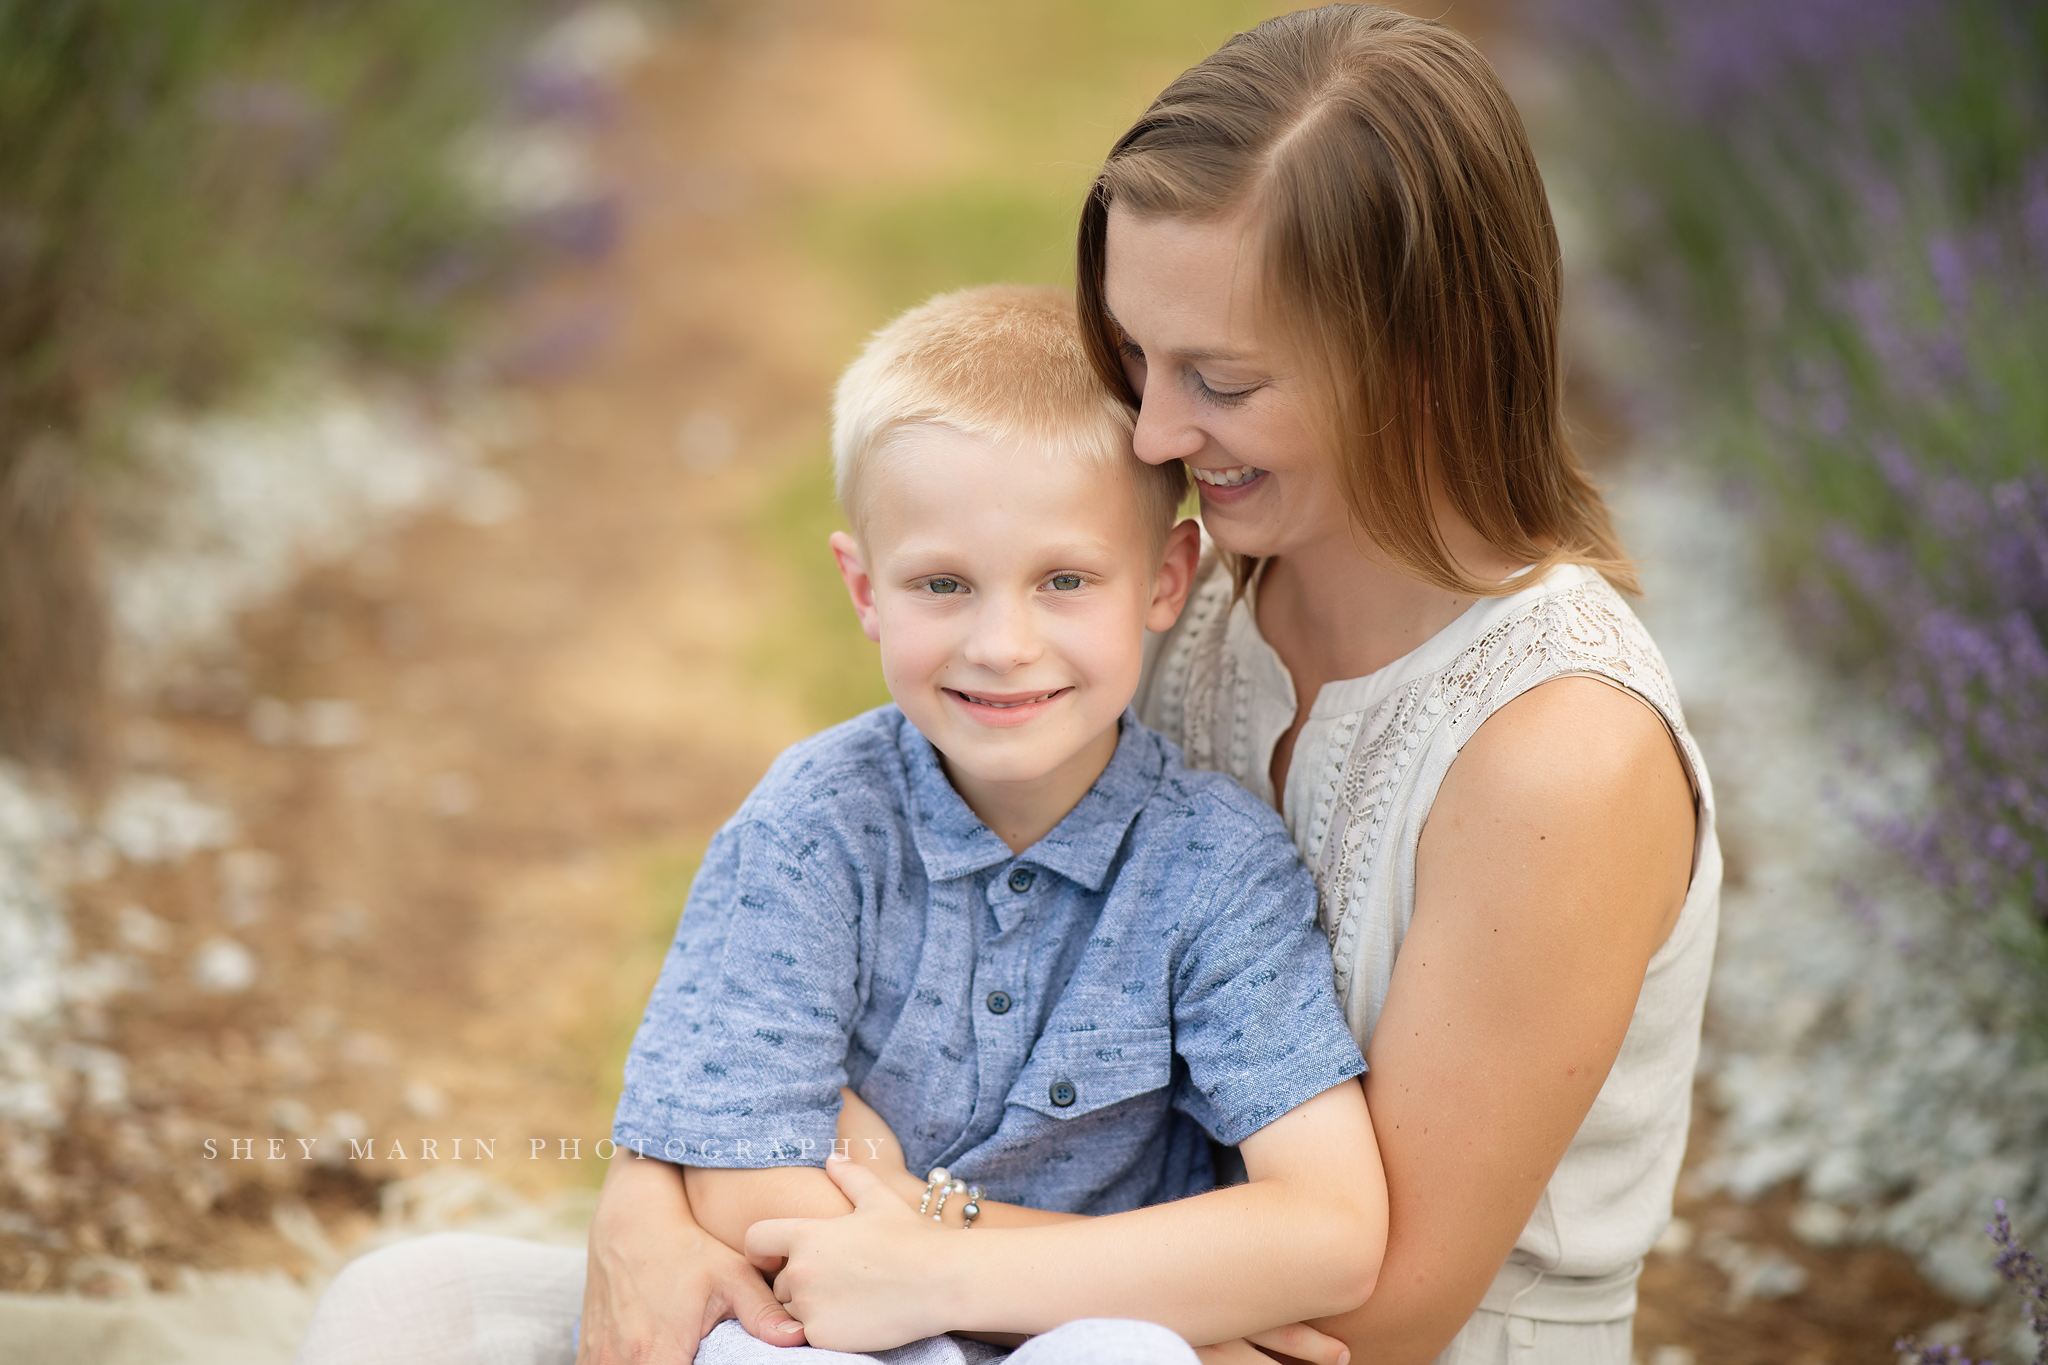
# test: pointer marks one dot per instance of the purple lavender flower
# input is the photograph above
(1974, 681)
(1917, 1352)
(586, 230)
(1861, 269)
(548, 94)
(2020, 1268)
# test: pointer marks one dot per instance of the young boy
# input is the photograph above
(1054, 960)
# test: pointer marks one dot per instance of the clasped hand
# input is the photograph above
(883, 1275)
(875, 1278)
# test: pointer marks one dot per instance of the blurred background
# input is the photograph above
(413, 494)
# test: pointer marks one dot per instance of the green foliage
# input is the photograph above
(817, 648)
(190, 188)
(1822, 228)
(1035, 91)
(902, 248)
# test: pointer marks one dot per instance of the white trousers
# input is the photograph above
(458, 1298)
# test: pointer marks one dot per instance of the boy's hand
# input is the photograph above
(657, 1283)
(861, 1282)
(870, 1141)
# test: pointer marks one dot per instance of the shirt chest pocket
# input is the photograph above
(1070, 1075)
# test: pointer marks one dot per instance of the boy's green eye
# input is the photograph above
(1066, 582)
(943, 585)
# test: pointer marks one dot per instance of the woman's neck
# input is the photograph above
(1338, 608)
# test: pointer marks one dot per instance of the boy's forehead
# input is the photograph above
(931, 477)
(936, 458)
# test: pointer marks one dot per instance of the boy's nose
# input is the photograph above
(1003, 637)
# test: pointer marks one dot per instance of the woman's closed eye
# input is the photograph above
(1221, 397)
(1134, 363)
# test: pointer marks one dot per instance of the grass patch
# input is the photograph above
(662, 889)
(819, 654)
(901, 248)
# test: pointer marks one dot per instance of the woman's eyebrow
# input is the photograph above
(1125, 333)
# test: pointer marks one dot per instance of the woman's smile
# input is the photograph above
(1235, 477)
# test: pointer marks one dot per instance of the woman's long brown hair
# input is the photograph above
(1410, 255)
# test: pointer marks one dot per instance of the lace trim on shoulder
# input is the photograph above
(1585, 629)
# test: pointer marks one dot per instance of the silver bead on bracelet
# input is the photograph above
(939, 1177)
(941, 1183)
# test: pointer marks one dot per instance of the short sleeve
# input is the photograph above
(741, 1054)
(1255, 1008)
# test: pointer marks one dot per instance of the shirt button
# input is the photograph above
(1021, 879)
(998, 1002)
(1063, 1094)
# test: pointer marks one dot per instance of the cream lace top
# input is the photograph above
(1366, 768)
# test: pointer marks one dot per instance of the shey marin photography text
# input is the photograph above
(337, 1150)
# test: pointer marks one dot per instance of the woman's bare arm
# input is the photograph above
(1554, 863)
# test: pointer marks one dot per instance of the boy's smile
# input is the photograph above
(1010, 590)
(1010, 710)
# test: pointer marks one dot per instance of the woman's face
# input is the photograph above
(1215, 389)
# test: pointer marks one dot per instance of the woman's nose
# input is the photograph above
(1165, 430)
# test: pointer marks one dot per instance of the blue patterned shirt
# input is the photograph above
(1060, 1026)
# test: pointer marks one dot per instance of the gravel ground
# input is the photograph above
(1860, 1036)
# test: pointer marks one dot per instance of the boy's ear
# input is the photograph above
(1176, 575)
(861, 588)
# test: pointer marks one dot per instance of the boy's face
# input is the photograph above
(1010, 591)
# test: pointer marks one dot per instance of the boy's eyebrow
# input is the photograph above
(1071, 550)
(1124, 332)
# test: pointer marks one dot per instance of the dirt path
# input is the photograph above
(458, 912)
(467, 905)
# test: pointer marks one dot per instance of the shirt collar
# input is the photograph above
(953, 842)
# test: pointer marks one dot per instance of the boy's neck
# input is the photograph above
(1022, 813)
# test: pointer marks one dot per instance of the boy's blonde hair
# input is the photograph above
(1004, 363)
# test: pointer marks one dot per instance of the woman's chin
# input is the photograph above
(1238, 534)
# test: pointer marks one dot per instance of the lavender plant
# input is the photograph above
(1839, 210)
(188, 190)
(2020, 1268)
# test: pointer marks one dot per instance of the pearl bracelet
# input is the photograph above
(941, 1183)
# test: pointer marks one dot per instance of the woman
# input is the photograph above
(1324, 263)
(1324, 266)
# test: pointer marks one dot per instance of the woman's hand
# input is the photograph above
(658, 1283)
(864, 1282)
(1296, 1341)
